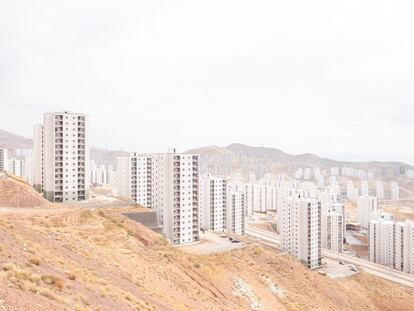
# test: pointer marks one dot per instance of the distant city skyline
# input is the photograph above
(158, 75)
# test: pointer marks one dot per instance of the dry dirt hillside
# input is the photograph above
(68, 258)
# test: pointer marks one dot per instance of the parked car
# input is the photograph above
(354, 269)
(235, 241)
(230, 238)
(341, 263)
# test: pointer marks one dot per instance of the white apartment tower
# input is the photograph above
(141, 180)
(366, 207)
(404, 246)
(38, 157)
(332, 231)
(213, 200)
(61, 156)
(16, 167)
(133, 178)
(299, 222)
(3, 160)
(175, 185)
(379, 190)
(364, 188)
(395, 191)
(236, 206)
(381, 242)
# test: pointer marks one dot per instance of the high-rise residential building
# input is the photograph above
(366, 206)
(16, 167)
(395, 191)
(236, 206)
(94, 173)
(379, 190)
(28, 168)
(334, 171)
(3, 160)
(299, 222)
(299, 173)
(381, 242)
(175, 185)
(307, 174)
(252, 197)
(38, 157)
(364, 188)
(332, 230)
(133, 178)
(316, 172)
(61, 156)
(404, 246)
(321, 181)
(213, 201)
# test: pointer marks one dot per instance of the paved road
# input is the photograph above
(369, 267)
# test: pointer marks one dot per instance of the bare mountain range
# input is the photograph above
(234, 157)
(243, 158)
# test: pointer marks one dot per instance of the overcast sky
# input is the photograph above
(330, 77)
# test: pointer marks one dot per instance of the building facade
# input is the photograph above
(61, 156)
(299, 222)
(3, 160)
(366, 206)
(213, 203)
(236, 206)
(175, 182)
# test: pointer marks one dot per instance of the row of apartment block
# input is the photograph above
(391, 243)
(168, 183)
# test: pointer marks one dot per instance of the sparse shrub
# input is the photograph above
(9, 267)
(34, 278)
(258, 251)
(53, 280)
(22, 274)
(84, 299)
(71, 276)
(47, 293)
(197, 265)
(35, 261)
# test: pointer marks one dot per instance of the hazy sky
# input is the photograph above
(329, 77)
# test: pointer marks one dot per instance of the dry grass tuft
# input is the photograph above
(53, 280)
(35, 261)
